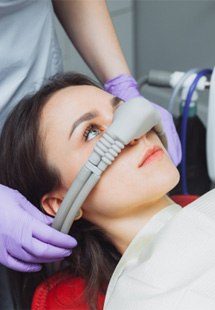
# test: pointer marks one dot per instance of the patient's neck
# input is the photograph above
(123, 230)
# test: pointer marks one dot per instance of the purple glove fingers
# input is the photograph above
(50, 236)
(22, 266)
(42, 253)
(39, 241)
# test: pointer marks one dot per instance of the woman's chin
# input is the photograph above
(168, 181)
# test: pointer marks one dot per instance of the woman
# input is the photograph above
(36, 58)
(52, 138)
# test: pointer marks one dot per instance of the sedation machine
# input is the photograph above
(131, 120)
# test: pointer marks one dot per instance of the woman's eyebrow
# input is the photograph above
(115, 101)
(85, 117)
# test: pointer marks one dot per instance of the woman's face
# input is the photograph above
(72, 122)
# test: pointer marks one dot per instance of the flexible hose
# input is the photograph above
(178, 88)
(184, 127)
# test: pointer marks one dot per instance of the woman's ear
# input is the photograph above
(79, 214)
(51, 202)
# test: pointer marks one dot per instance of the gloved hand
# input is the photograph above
(26, 240)
(125, 87)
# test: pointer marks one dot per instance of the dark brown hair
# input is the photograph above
(23, 167)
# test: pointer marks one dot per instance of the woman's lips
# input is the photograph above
(153, 153)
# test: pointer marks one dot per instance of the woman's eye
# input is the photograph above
(91, 132)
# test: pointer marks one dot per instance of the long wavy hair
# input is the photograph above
(23, 166)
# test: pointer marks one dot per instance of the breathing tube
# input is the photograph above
(179, 86)
(131, 120)
(205, 72)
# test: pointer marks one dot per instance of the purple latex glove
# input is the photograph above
(125, 87)
(26, 240)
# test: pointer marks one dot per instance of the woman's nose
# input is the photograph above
(133, 142)
(145, 137)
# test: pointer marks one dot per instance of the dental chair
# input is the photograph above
(62, 292)
(184, 200)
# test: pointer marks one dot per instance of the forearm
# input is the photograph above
(89, 26)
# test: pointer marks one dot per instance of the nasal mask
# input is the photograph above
(131, 120)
